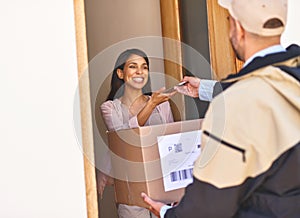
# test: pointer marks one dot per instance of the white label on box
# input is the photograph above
(178, 152)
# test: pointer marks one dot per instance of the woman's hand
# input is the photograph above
(159, 96)
(102, 181)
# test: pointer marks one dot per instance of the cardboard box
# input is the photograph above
(136, 162)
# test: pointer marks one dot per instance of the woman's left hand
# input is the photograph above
(102, 181)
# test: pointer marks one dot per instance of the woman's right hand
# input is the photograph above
(157, 98)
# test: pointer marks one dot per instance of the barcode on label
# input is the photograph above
(181, 175)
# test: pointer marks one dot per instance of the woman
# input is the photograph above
(128, 106)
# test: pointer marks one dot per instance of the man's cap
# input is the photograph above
(262, 17)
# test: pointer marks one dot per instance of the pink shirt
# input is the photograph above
(117, 116)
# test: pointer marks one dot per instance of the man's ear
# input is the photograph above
(239, 29)
(120, 74)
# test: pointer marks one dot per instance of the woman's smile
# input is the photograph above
(138, 79)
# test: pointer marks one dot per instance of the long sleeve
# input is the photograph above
(113, 116)
(202, 200)
(206, 89)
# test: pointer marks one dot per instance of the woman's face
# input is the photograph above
(135, 72)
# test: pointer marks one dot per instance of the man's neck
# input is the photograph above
(255, 44)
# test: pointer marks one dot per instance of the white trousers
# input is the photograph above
(126, 211)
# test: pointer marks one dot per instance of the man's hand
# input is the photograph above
(154, 206)
(190, 88)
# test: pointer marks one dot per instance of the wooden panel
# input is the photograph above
(85, 108)
(238, 64)
(172, 51)
(222, 57)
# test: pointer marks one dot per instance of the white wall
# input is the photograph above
(292, 32)
(41, 165)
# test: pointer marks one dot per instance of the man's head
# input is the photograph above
(261, 21)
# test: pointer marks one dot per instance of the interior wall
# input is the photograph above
(111, 21)
(41, 162)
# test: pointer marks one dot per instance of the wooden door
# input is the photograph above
(85, 109)
(170, 22)
(222, 57)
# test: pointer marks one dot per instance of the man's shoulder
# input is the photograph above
(245, 90)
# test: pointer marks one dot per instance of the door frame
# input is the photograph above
(85, 111)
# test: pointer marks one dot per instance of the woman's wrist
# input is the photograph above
(151, 104)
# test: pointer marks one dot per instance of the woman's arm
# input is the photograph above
(156, 99)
